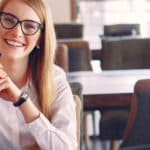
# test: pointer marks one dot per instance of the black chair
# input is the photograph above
(68, 30)
(128, 53)
(116, 30)
(137, 133)
(112, 125)
(137, 147)
(118, 54)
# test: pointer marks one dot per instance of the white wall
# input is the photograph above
(60, 10)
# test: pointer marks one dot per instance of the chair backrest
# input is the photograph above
(137, 132)
(61, 58)
(76, 88)
(126, 53)
(121, 29)
(78, 116)
(79, 55)
(137, 147)
(68, 30)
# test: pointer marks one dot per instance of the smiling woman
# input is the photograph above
(33, 91)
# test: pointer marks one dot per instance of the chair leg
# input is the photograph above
(115, 145)
(94, 126)
(86, 136)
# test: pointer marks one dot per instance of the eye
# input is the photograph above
(9, 20)
(30, 25)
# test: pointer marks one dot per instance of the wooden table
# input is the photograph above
(108, 88)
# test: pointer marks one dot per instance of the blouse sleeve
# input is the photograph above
(60, 132)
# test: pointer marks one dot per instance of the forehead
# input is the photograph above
(21, 10)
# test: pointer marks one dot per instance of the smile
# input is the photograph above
(14, 43)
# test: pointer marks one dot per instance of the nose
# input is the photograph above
(17, 31)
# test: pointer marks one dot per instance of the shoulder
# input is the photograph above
(57, 70)
(63, 90)
(58, 73)
(60, 79)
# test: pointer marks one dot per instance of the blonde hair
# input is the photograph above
(41, 61)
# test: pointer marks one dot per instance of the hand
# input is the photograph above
(8, 90)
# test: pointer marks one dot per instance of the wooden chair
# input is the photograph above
(78, 116)
(137, 132)
(76, 88)
(61, 58)
(79, 54)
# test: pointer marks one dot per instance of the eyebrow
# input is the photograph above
(18, 18)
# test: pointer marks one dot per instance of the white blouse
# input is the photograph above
(59, 133)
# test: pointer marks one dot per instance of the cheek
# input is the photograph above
(2, 31)
(3, 34)
(33, 41)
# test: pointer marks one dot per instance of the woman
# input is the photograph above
(36, 105)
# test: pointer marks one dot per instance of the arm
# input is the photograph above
(59, 132)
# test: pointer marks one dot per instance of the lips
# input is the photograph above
(14, 43)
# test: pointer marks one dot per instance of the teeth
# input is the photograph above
(14, 43)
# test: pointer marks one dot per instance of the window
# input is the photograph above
(94, 14)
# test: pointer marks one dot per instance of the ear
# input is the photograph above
(38, 42)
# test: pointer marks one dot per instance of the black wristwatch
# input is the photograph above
(23, 97)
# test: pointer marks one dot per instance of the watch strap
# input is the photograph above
(23, 97)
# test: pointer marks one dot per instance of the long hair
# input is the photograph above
(41, 60)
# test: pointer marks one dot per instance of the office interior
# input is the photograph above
(92, 17)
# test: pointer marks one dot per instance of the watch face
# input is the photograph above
(24, 95)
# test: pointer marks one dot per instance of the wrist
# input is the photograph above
(22, 98)
(16, 96)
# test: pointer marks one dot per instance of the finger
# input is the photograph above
(3, 74)
(4, 85)
(1, 66)
(3, 80)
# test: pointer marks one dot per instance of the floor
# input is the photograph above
(96, 144)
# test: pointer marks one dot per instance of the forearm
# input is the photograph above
(52, 136)
(29, 111)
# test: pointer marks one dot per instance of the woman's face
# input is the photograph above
(14, 43)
